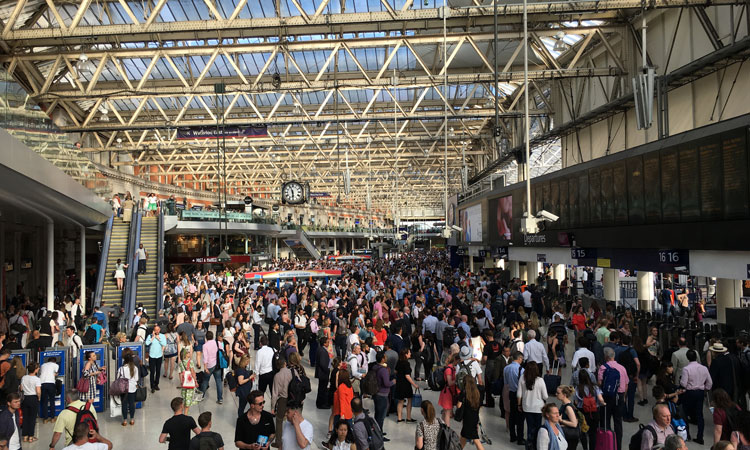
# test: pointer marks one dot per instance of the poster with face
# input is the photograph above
(471, 222)
(505, 217)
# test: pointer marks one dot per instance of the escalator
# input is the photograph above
(301, 246)
(114, 247)
(147, 285)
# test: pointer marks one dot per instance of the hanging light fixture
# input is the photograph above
(105, 114)
(85, 65)
(560, 45)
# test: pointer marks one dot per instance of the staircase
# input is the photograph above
(302, 247)
(118, 249)
(146, 290)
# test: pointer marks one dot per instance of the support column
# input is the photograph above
(523, 271)
(335, 246)
(558, 273)
(353, 247)
(83, 268)
(728, 294)
(51, 266)
(611, 281)
(513, 267)
(471, 264)
(532, 269)
(645, 290)
(489, 262)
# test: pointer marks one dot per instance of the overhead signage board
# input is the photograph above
(290, 274)
(221, 132)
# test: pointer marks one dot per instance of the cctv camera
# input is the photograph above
(456, 228)
(547, 216)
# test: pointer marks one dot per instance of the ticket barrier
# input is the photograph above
(100, 400)
(63, 380)
(137, 347)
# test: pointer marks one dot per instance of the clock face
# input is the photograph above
(293, 192)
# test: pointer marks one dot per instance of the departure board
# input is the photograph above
(595, 204)
(573, 200)
(620, 192)
(734, 150)
(608, 206)
(670, 186)
(583, 199)
(652, 187)
(690, 208)
(564, 206)
(636, 213)
(711, 188)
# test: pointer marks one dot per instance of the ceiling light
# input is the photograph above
(85, 65)
(560, 45)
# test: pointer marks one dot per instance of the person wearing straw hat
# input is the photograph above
(723, 370)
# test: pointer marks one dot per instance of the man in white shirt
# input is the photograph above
(264, 365)
(584, 352)
(47, 375)
(357, 362)
(74, 342)
(297, 433)
(526, 299)
(535, 351)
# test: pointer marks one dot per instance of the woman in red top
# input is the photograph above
(578, 319)
(380, 335)
(342, 401)
(450, 391)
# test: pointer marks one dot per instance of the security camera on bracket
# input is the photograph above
(532, 225)
(448, 231)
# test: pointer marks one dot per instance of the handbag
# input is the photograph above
(101, 378)
(115, 407)
(215, 321)
(83, 385)
(458, 416)
(222, 359)
(416, 400)
(187, 381)
(119, 387)
(141, 393)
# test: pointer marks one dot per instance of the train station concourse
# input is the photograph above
(380, 224)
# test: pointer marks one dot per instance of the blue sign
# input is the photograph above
(61, 357)
(210, 132)
(99, 401)
(24, 355)
(137, 347)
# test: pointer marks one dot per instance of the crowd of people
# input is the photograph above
(375, 338)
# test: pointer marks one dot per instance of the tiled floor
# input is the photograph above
(144, 434)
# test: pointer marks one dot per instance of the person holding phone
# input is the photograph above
(155, 344)
(255, 430)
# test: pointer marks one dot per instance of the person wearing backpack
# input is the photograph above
(628, 358)
(367, 433)
(613, 379)
(206, 439)
(655, 432)
(76, 412)
(588, 398)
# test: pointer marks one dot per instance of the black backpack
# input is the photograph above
(625, 358)
(89, 337)
(298, 388)
(635, 440)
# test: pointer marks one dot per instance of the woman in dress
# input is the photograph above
(170, 351)
(428, 429)
(417, 347)
(120, 273)
(405, 385)
(91, 371)
(152, 203)
(200, 339)
(127, 208)
(186, 364)
(342, 439)
(550, 435)
(130, 371)
(469, 401)
(450, 391)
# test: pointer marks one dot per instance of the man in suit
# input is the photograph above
(322, 373)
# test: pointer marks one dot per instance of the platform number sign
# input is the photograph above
(673, 261)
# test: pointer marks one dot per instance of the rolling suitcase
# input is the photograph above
(605, 439)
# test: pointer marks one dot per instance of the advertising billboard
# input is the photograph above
(501, 219)
(471, 222)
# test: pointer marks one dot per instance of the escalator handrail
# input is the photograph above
(102, 272)
(130, 279)
(160, 263)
